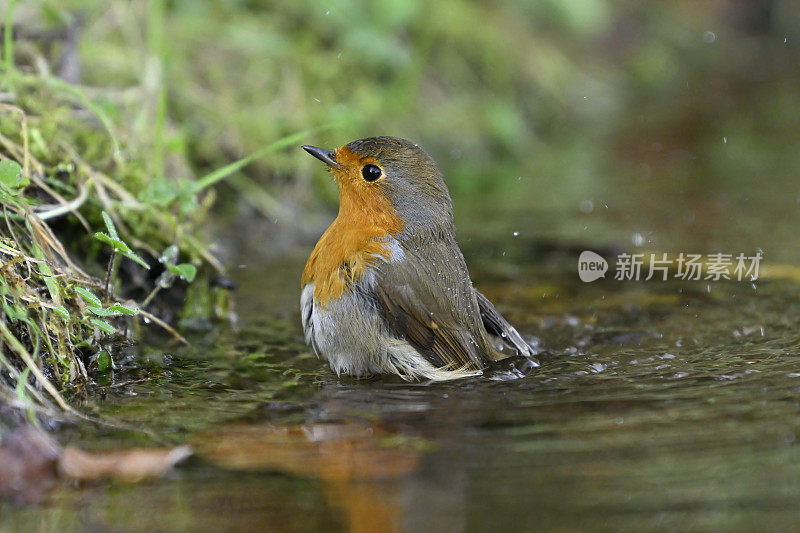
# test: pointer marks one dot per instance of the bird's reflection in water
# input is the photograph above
(369, 466)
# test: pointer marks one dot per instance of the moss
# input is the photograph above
(88, 216)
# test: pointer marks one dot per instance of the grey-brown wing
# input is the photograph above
(501, 331)
(431, 305)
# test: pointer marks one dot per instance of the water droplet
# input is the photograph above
(709, 37)
(724, 140)
(515, 234)
(638, 239)
(587, 206)
(316, 99)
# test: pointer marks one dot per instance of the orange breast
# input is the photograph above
(355, 240)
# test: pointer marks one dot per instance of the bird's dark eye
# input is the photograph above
(371, 172)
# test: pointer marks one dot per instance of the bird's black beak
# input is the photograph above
(326, 156)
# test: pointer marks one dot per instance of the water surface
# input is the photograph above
(658, 405)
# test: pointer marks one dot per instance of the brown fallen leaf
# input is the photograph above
(130, 466)
(31, 463)
(28, 470)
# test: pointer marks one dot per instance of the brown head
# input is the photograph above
(391, 184)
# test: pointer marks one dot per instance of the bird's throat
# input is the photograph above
(353, 242)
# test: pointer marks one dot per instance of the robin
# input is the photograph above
(386, 289)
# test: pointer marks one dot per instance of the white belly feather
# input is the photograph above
(352, 335)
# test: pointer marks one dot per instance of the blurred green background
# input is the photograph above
(668, 125)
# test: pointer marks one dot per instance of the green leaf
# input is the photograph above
(103, 360)
(112, 230)
(116, 309)
(117, 244)
(99, 311)
(61, 310)
(120, 309)
(11, 175)
(90, 298)
(121, 248)
(133, 257)
(103, 325)
(184, 270)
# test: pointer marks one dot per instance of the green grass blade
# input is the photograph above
(227, 170)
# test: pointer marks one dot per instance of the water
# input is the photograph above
(658, 405)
